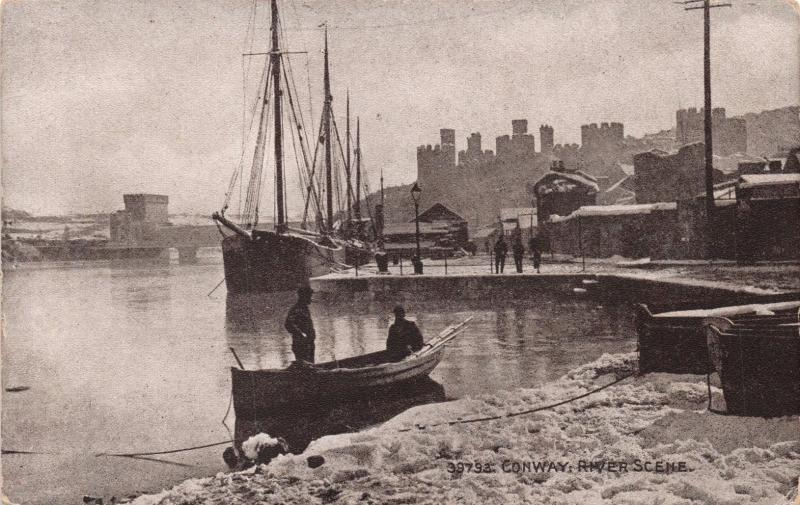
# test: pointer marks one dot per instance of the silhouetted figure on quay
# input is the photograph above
(301, 327)
(518, 250)
(534, 246)
(404, 336)
(537, 259)
(500, 251)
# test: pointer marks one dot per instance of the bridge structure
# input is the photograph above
(186, 239)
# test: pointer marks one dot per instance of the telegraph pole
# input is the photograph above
(708, 141)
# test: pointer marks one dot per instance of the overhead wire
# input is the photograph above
(507, 10)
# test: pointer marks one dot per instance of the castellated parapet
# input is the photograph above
(436, 164)
(431, 160)
(519, 147)
(605, 137)
(729, 135)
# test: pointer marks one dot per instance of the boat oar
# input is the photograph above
(453, 333)
(237, 357)
(445, 336)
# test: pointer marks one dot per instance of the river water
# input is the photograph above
(134, 358)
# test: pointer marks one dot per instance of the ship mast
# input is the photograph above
(381, 184)
(347, 166)
(275, 57)
(327, 134)
(357, 206)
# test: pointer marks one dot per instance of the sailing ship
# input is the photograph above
(258, 260)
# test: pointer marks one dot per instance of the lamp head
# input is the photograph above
(416, 192)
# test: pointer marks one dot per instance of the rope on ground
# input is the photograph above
(155, 453)
(524, 412)
(12, 451)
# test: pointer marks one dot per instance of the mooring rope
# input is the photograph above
(155, 453)
(524, 412)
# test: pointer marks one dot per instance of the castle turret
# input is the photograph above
(433, 161)
(448, 137)
(546, 138)
(474, 144)
(519, 127)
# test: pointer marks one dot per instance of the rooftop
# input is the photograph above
(616, 210)
(514, 213)
(754, 180)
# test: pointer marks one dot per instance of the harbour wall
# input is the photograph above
(666, 293)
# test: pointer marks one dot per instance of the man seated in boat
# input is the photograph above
(404, 336)
(300, 325)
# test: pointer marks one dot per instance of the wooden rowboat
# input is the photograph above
(675, 342)
(262, 392)
(758, 366)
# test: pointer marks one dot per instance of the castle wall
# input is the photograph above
(729, 135)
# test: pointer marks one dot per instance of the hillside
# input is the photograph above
(10, 214)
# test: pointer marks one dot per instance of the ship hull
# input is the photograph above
(273, 262)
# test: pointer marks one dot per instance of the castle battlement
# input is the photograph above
(602, 136)
(729, 134)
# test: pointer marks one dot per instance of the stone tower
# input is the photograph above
(546, 138)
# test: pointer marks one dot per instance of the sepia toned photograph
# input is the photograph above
(398, 252)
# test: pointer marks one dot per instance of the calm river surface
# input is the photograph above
(134, 358)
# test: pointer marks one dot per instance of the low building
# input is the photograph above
(768, 206)
(399, 239)
(438, 214)
(755, 218)
(631, 231)
(560, 192)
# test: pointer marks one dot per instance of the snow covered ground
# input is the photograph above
(645, 440)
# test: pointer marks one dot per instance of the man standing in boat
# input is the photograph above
(300, 325)
(404, 336)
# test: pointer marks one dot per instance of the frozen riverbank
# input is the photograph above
(645, 440)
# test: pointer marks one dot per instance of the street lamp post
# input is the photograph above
(417, 259)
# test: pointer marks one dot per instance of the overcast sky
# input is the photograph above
(104, 97)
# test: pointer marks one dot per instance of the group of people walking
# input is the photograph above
(517, 250)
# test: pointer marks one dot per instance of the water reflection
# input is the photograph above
(309, 422)
(509, 343)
